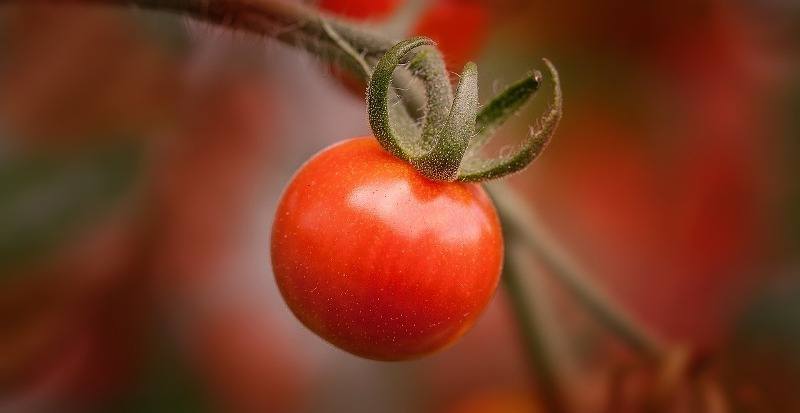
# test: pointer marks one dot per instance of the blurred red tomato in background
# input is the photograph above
(83, 73)
(212, 181)
(361, 9)
(669, 197)
(459, 28)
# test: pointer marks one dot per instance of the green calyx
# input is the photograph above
(453, 131)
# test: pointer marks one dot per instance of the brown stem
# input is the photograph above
(538, 348)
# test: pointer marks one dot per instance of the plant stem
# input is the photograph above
(291, 23)
(288, 22)
(537, 347)
(523, 224)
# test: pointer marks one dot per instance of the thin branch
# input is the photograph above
(520, 222)
(532, 331)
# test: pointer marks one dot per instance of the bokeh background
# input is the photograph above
(142, 156)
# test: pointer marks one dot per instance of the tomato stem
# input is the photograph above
(397, 138)
(523, 225)
(538, 349)
(448, 147)
(288, 22)
(447, 130)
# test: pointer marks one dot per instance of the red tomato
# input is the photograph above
(459, 27)
(38, 305)
(97, 361)
(207, 278)
(663, 231)
(236, 348)
(28, 338)
(59, 55)
(361, 9)
(379, 260)
(224, 143)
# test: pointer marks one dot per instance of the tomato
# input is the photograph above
(38, 304)
(230, 341)
(379, 260)
(59, 55)
(97, 361)
(459, 27)
(224, 142)
(690, 219)
(361, 9)
(235, 348)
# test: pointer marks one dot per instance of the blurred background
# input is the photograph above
(142, 156)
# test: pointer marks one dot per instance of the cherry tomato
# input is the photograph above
(613, 191)
(361, 9)
(379, 260)
(459, 27)
(73, 57)
(235, 348)
(93, 364)
(231, 343)
(38, 303)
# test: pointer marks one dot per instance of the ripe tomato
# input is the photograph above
(202, 224)
(231, 343)
(459, 27)
(691, 220)
(361, 9)
(235, 348)
(94, 363)
(379, 260)
(73, 57)
(38, 303)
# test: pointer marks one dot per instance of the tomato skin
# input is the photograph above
(379, 260)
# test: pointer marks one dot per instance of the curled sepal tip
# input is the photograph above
(378, 92)
(502, 107)
(447, 148)
(449, 121)
(506, 104)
